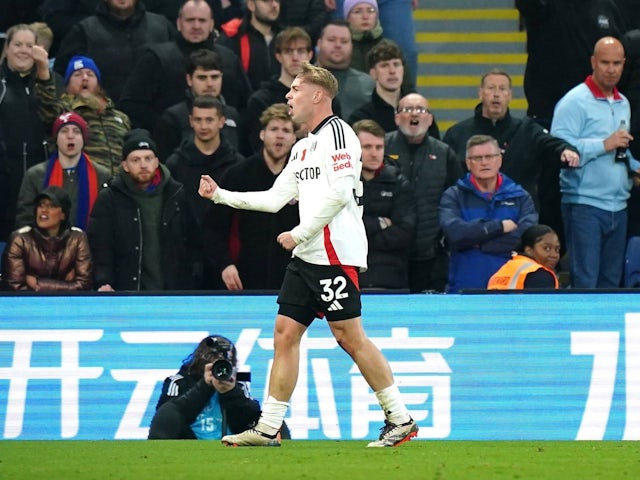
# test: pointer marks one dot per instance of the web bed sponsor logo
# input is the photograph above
(341, 161)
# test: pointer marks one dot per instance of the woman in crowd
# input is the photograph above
(50, 255)
(534, 263)
(24, 132)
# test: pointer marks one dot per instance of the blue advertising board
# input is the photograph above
(477, 367)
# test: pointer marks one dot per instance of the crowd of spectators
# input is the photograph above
(122, 105)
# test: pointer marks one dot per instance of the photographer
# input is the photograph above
(204, 400)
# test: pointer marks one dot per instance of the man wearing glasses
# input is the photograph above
(483, 216)
(530, 155)
(431, 166)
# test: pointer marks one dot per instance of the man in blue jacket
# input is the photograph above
(483, 216)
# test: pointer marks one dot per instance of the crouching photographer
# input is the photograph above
(207, 398)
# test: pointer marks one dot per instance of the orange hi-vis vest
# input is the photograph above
(512, 274)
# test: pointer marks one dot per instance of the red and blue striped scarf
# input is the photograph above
(87, 185)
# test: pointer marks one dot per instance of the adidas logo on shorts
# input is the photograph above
(335, 306)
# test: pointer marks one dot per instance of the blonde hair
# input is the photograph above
(44, 34)
(321, 77)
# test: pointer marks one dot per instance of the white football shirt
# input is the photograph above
(323, 174)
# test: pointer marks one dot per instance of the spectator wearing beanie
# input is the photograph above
(139, 225)
(396, 18)
(69, 168)
(84, 95)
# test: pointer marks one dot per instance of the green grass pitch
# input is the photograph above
(332, 460)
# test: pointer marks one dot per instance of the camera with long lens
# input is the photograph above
(222, 370)
(222, 354)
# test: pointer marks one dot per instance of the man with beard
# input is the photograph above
(158, 79)
(251, 39)
(106, 126)
(138, 226)
(293, 48)
(242, 242)
(69, 168)
(431, 167)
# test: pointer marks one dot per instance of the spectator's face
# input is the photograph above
(18, 51)
(607, 63)
(372, 151)
(484, 161)
(206, 123)
(122, 8)
(545, 251)
(264, 11)
(196, 23)
(388, 74)
(413, 118)
(335, 47)
(495, 95)
(69, 140)
(293, 55)
(48, 216)
(362, 17)
(205, 82)
(141, 165)
(83, 82)
(278, 137)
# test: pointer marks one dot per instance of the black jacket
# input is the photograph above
(187, 164)
(172, 128)
(24, 138)
(175, 413)
(431, 168)
(384, 114)
(262, 56)
(114, 44)
(389, 195)
(158, 80)
(560, 39)
(115, 236)
(260, 261)
(271, 91)
(528, 150)
(312, 15)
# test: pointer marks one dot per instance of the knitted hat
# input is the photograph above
(78, 63)
(69, 118)
(349, 4)
(58, 198)
(138, 139)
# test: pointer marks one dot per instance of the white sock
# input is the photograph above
(273, 412)
(394, 409)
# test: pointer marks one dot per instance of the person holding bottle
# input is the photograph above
(594, 194)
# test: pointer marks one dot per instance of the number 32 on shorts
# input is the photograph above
(333, 288)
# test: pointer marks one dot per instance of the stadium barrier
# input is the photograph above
(475, 367)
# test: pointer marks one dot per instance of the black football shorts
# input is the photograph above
(309, 291)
